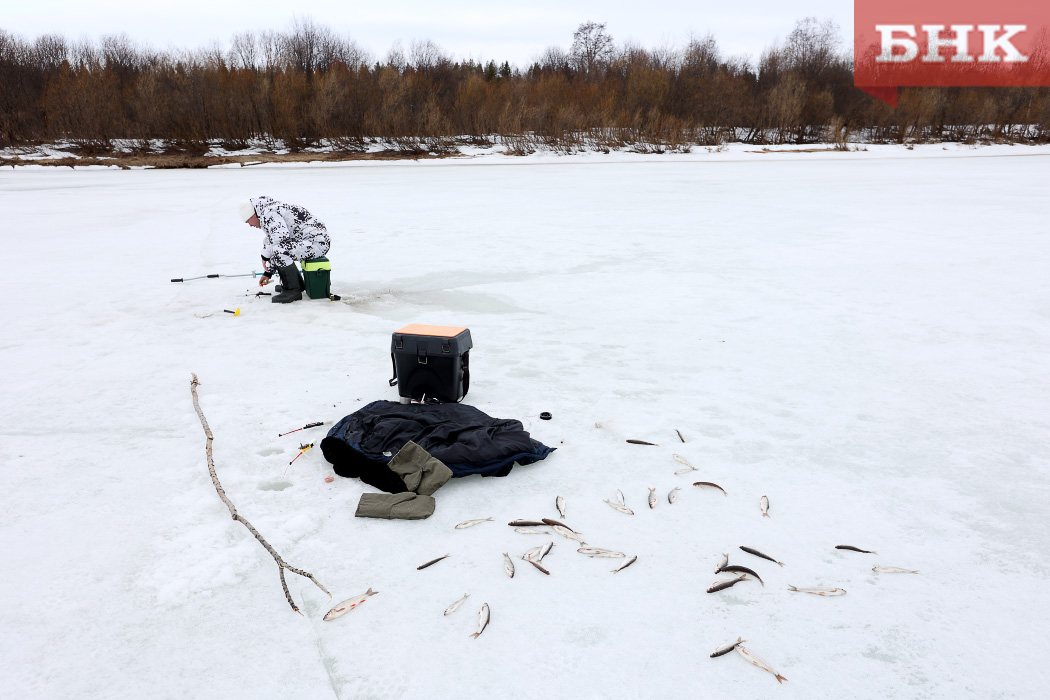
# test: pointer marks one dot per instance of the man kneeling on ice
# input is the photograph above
(292, 233)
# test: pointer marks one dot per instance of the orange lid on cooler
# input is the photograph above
(436, 331)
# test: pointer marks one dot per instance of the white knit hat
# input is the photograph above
(246, 210)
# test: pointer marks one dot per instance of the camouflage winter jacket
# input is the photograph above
(291, 231)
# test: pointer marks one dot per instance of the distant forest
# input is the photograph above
(308, 86)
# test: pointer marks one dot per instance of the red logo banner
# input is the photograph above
(949, 43)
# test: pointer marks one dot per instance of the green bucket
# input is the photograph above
(317, 273)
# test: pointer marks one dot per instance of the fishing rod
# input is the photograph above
(253, 273)
(308, 425)
(302, 450)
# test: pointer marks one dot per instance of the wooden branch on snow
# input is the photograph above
(281, 564)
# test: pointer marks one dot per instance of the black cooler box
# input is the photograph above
(431, 362)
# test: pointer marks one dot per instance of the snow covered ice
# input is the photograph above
(862, 337)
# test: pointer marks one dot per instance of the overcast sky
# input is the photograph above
(479, 29)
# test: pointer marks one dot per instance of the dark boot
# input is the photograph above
(291, 289)
(302, 285)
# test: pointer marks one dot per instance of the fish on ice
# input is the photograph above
(673, 494)
(621, 508)
(626, 564)
(538, 566)
(819, 591)
(531, 531)
(755, 660)
(854, 549)
(472, 523)
(734, 569)
(892, 570)
(683, 460)
(760, 554)
(567, 533)
(455, 606)
(526, 523)
(619, 497)
(702, 484)
(483, 620)
(763, 505)
(348, 605)
(548, 521)
(721, 651)
(508, 565)
(599, 552)
(726, 583)
(534, 552)
(652, 498)
(432, 562)
(641, 442)
(559, 502)
(724, 563)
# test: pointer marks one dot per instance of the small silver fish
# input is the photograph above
(686, 471)
(545, 550)
(892, 570)
(483, 620)
(348, 605)
(455, 606)
(621, 508)
(724, 563)
(526, 523)
(763, 505)
(755, 660)
(548, 521)
(726, 583)
(472, 523)
(673, 494)
(432, 562)
(686, 462)
(721, 651)
(560, 503)
(538, 566)
(680, 436)
(534, 552)
(819, 591)
(652, 498)
(531, 531)
(760, 554)
(854, 549)
(625, 564)
(701, 484)
(642, 442)
(619, 497)
(599, 552)
(567, 533)
(508, 565)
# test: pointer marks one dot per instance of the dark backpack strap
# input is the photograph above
(466, 374)
(393, 380)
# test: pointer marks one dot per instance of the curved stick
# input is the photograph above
(281, 564)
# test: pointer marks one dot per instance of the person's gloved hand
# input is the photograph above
(395, 506)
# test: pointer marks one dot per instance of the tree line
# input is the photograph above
(307, 86)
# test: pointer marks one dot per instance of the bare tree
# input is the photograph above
(244, 51)
(812, 45)
(426, 55)
(592, 47)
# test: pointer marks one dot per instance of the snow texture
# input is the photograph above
(861, 337)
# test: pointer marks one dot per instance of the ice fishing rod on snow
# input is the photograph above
(302, 450)
(253, 273)
(308, 425)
